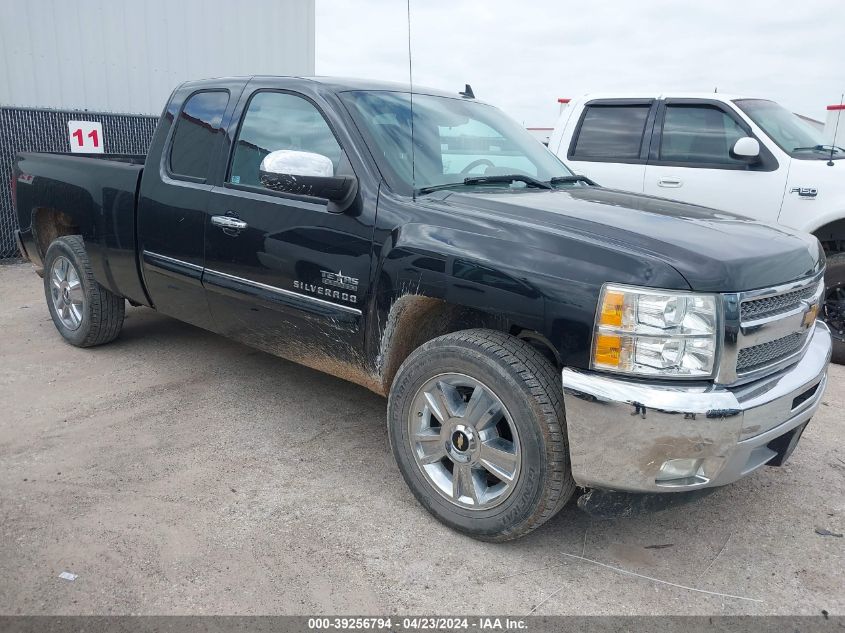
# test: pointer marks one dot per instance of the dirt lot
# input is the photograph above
(177, 472)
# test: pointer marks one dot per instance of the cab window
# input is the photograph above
(699, 134)
(611, 132)
(275, 121)
(196, 132)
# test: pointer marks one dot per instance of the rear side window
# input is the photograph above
(276, 121)
(611, 132)
(699, 134)
(196, 132)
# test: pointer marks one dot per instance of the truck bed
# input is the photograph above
(100, 192)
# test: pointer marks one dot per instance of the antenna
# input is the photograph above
(836, 130)
(411, 85)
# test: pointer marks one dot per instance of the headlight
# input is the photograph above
(648, 332)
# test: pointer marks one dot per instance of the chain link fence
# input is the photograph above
(31, 130)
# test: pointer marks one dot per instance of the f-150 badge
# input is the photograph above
(806, 193)
(338, 280)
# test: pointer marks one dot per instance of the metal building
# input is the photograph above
(117, 61)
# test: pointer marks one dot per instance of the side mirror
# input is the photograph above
(304, 174)
(746, 148)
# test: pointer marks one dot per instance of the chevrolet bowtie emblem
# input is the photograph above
(810, 315)
(460, 442)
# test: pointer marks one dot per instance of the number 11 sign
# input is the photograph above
(85, 137)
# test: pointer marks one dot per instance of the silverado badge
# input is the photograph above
(348, 285)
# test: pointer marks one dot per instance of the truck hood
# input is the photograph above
(714, 251)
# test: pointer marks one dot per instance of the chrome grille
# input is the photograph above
(771, 306)
(766, 329)
(763, 354)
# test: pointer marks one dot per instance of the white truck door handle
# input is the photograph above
(669, 182)
(228, 222)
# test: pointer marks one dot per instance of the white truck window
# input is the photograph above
(611, 132)
(699, 134)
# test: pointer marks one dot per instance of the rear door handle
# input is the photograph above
(669, 182)
(228, 223)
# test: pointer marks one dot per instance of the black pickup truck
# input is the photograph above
(533, 332)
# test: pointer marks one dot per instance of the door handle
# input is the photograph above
(228, 222)
(669, 182)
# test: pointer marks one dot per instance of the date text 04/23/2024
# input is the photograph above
(418, 624)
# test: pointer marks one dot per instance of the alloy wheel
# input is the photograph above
(464, 441)
(834, 310)
(66, 292)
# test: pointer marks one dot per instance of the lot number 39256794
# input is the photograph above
(85, 137)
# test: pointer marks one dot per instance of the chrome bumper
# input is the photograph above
(621, 432)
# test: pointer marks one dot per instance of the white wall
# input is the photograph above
(128, 55)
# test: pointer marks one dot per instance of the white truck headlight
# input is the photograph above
(649, 332)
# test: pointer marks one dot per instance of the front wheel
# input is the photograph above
(477, 427)
(84, 312)
(834, 304)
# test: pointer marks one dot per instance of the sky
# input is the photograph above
(522, 56)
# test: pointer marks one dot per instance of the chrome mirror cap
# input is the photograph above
(295, 163)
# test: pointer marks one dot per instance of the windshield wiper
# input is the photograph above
(563, 180)
(819, 148)
(507, 178)
(424, 190)
(484, 180)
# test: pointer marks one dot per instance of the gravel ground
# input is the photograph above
(177, 472)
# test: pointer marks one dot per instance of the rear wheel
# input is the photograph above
(834, 304)
(84, 312)
(476, 423)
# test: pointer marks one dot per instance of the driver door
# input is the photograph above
(283, 272)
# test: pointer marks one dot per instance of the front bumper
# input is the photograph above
(621, 432)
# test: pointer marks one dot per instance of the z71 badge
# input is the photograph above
(338, 280)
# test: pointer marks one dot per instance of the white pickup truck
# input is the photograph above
(747, 156)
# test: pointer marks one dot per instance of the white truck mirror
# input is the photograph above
(747, 147)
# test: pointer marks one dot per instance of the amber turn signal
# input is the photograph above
(608, 350)
(611, 309)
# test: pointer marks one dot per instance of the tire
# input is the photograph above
(84, 313)
(834, 308)
(526, 388)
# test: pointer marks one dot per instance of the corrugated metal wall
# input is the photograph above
(128, 55)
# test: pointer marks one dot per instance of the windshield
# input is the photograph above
(455, 139)
(792, 134)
